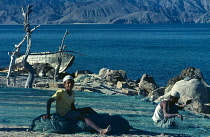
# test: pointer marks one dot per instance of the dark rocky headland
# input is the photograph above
(107, 11)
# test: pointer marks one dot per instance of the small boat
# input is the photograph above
(50, 58)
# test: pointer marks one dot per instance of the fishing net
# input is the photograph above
(57, 125)
(60, 125)
(21, 106)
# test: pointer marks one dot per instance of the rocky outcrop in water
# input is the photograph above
(147, 83)
(108, 81)
(107, 11)
(191, 85)
(193, 89)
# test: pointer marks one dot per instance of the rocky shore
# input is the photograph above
(190, 83)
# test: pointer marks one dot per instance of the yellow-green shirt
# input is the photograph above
(63, 101)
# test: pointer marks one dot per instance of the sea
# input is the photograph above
(159, 50)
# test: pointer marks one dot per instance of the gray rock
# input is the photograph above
(130, 92)
(147, 83)
(103, 72)
(157, 93)
(112, 76)
(194, 89)
(116, 75)
(186, 74)
(121, 85)
(191, 73)
(42, 85)
(83, 72)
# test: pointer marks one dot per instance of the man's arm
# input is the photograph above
(163, 105)
(183, 105)
(49, 102)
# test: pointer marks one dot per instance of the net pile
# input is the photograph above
(60, 125)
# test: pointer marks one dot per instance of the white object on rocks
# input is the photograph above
(194, 89)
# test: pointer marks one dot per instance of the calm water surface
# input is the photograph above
(161, 51)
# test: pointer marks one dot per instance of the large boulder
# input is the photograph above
(191, 72)
(147, 83)
(112, 76)
(188, 73)
(194, 89)
(103, 72)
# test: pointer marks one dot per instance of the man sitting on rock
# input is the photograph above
(65, 106)
(167, 110)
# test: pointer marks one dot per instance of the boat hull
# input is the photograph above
(50, 58)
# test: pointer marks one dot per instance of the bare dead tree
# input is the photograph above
(28, 31)
(17, 48)
(61, 49)
(13, 57)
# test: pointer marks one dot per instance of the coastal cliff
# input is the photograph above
(107, 11)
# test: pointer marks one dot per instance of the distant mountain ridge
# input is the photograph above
(107, 11)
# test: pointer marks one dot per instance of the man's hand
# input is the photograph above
(46, 117)
(180, 116)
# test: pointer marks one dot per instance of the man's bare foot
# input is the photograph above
(104, 131)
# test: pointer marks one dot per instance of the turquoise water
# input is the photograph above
(161, 51)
